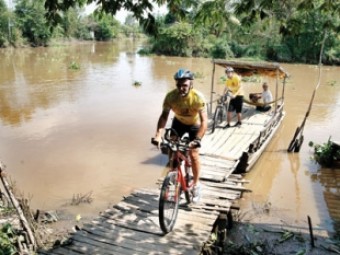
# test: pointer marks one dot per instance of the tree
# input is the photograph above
(216, 15)
(106, 28)
(301, 25)
(70, 22)
(4, 24)
(141, 10)
(289, 30)
(30, 17)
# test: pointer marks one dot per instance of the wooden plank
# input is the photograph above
(227, 186)
(177, 236)
(211, 194)
(99, 245)
(216, 202)
(64, 250)
(216, 161)
(141, 245)
(211, 208)
(96, 244)
(214, 169)
(188, 213)
(214, 178)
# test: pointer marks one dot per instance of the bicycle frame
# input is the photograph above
(178, 157)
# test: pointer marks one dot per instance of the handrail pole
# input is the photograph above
(212, 89)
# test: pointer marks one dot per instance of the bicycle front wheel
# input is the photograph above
(169, 201)
(218, 118)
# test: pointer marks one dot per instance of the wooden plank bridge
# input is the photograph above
(131, 226)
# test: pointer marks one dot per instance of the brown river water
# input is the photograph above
(66, 132)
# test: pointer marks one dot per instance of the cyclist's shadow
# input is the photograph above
(159, 159)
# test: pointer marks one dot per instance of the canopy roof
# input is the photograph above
(246, 68)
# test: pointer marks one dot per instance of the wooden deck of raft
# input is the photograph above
(131, 226)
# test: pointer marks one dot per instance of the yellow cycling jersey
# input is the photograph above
(187, 108)
(234, 85)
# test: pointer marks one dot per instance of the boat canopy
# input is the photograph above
(247, 68)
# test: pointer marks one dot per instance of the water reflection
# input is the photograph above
(330, 180)
(68, 131)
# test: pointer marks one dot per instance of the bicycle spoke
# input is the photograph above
(168, 202)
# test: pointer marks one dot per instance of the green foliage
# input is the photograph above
(325, 154)
(106, 28)
(287, 31)
(30, 17)
(3, 24)
(221, 49)
(145, 51)
(174, 40)
(70, 22)
(74, 65)
(7, 240)
(250, 248)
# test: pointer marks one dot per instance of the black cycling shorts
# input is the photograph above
(236, 104)
(181, 129)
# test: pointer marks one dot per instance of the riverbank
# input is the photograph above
(256, 230)
(260, 230)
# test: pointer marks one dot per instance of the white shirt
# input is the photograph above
(267, 96)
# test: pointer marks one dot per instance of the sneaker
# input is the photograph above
(227, 126)
(196, 193)
(238, 124)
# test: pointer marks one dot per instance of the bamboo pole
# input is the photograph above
(311, 231)
(297, 140)
(17, 207)
(212, 90)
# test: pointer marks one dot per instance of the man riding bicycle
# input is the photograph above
(189, 107)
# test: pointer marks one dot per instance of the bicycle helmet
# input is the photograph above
(229, 69)
(183, 74)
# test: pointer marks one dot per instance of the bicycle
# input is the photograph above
(221, 110)
(177, 180)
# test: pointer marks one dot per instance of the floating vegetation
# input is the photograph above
(326, 154)
(74, 66)
(332, 83)
(78, 199)
(137, 83)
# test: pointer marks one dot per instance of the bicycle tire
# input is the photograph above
(169, 202)
(218, 118)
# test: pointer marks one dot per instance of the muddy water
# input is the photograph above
(86, 131)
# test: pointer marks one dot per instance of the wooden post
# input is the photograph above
(212, 90)
(17, 207)
(311, 231)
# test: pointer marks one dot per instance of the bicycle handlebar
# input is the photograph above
(173, 141)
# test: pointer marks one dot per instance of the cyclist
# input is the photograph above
(190, 112)
(233, 84)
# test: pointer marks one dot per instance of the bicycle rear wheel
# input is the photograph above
(218, 118)
(168, 202)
